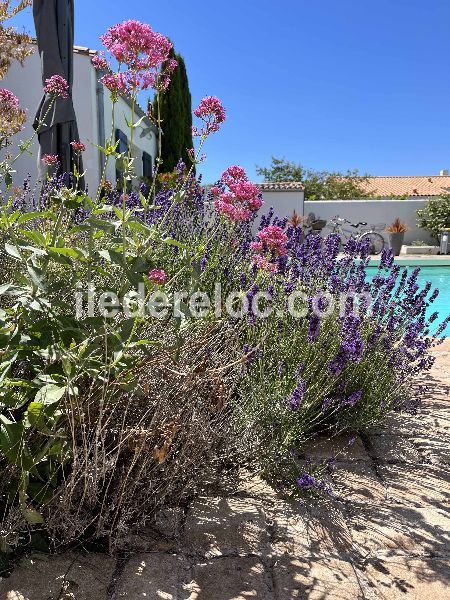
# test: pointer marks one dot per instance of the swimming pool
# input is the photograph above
(439, 275)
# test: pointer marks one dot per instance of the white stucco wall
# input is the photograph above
(371, 211)
(25, 83)
(374, 211)
(147, 143)
(85, 104)
(284, 203)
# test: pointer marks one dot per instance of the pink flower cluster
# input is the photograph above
(233, 174)
(144, 52)
(51, 160)
(271, 245)
(100, 62)
(241, 200)
(115, 83)
(158, 276)
(263, 263)
(212, 113)
(271, 239)
(8, 100)
(136, 45)
(194, 158)
(57, 86)
(12, 117)
(78, 147)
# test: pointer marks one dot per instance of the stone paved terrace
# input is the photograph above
(385, 535)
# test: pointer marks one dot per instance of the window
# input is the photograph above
(147, 165)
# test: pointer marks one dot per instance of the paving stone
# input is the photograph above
(149, 540)
(358, 482)
(409, 425)
(417, 485)
(289, 525)
(168, 521)
(230, 578)
(220, 526)
(436, 401)
(431, 421)
(317, 528)
(69, 576)
(434, 446)
(381, 528)
(327, 528)
(426, 423)
(392, 449)
(436, 394)
(254, 486)
(155, 576)
(315, 579)
(403, 578)
(342, 448)
(396, 423)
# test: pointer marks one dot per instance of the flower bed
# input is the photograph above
(150, 342)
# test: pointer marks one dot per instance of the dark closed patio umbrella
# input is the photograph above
(54, 22)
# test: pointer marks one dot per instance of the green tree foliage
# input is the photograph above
(319, 185)
(176, 116)
(435, 216)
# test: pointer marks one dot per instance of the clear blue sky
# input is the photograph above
(334, 84)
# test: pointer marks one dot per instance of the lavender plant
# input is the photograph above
(106, 416)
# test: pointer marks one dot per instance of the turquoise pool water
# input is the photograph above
(440, 278)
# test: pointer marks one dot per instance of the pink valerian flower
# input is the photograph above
(12, 117)
(192, 156)
(138, 80)
(212, 113)
(272, 239)
(78, 147)
(158, 276)
(163, 79)
(114, 82)
(233, 174)
(144, 52)
(242, 199)
(51, 160)
(263, 263)
(137, 45)
(231, 211)
(215, 190)
(8, 100)
(57, 86)
(247, 193)
(270, 246)
(100, 63)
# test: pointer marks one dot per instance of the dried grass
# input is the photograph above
(133, 454)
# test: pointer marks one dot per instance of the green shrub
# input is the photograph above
(435, 216)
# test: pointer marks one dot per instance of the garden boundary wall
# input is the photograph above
(373, 212)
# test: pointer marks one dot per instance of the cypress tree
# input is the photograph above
(176, 116)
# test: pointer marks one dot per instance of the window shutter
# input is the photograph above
(122, 147)
(147, 165)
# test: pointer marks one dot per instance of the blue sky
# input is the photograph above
(333, 84)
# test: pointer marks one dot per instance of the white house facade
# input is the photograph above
(93, 108)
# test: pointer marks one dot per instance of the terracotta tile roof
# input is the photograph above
(416, 185)
(77, 49)
(84, 50)
(290, 186)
